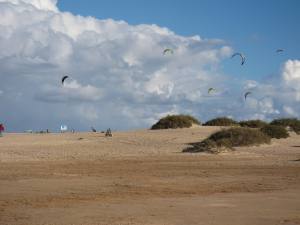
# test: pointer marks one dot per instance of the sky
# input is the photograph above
(118, 76)
(255, 27)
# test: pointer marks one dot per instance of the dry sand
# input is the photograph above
(141, 177)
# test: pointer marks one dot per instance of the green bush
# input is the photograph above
(284, 122)
(221, 121)
(275, 131)
(175, 121)
(293, 123)
(192, 119)
(228, 139)
(296, 127)
(253, 123)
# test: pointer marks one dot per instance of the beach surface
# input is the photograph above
(142, 177)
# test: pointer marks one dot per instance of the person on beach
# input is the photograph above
(1, 129)
(108, 133)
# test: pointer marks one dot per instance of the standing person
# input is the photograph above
(108, 133)
(1, 129)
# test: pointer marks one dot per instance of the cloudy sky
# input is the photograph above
(118, 75)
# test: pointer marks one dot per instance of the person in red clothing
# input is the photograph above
(1, 129)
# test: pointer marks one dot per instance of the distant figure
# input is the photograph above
(93, 129)
(47, 131)
(73, 131)
(63, 128)
(108, 133)
(1, 129)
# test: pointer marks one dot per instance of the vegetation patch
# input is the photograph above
(175, 121)
(296, 127)
(221, 121)
(275, 131)
(253, 123)
(292, 123)
(227, 139)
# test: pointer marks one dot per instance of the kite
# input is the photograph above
(168, 50)
(63, 79)
(243, 58)
(210, 90)
(246, 94)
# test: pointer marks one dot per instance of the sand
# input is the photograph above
(141, 177)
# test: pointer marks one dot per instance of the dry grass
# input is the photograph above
(221, 121)
(228, 139)
(175, 121)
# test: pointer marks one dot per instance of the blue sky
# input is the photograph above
(118, 74)
(256, 28)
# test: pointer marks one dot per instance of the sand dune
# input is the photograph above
(141, 177)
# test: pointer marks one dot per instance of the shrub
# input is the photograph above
(175, 121)
(284, 122)
(221, 121)
(228, 139)
(192, 119)
(293, 123)
(296, 127)
(240, 136)
(253, 123)
(275, 131)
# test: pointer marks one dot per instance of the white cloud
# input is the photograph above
(291, 78)
(291, 72)
(118, 74)
(70, 91)
(88, 112)
(289, 111)
(250, 84)
(39, 4)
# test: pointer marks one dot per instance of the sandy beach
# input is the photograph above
(141, 177)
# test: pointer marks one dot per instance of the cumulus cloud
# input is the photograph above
(49, 5)
(250, 84)
(289, 111)
(291, 73)
(278, 97)
(119, 77)
(291, 77)
(72, 91)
